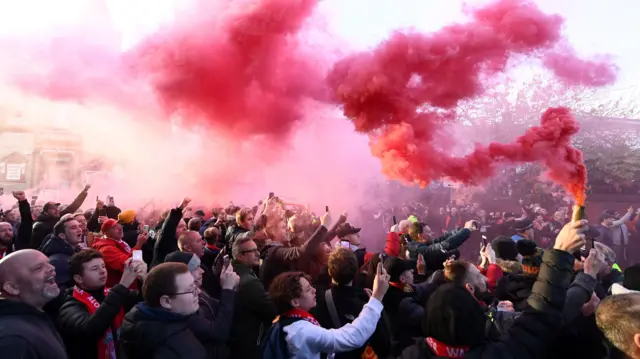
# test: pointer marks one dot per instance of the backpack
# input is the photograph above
(274, 345)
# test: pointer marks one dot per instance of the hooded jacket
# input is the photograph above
(28, 333)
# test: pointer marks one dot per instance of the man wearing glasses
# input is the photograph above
(254, 311)
(163, 326)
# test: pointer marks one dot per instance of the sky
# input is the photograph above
(592, 26)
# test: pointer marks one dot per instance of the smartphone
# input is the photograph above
(137, 255)
(145, 228)
(484, 240)
(483, 229)
(345, 244)
(34, 199)
(326, 208)
(110, 201)
(394, 220)
(271, 194)
(225, 260)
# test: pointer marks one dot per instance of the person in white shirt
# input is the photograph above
(294, 296)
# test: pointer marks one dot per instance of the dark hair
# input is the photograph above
(456, 272)
(211, 235)
(59, 227)
(343, 266)
(77, 261)
(161, 281)
(416, 228)
(242, 214)
(286, 287)
(194, 224)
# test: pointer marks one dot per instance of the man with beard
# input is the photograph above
(6, 239)
(9, 241)
(50, 215)
(27, 283)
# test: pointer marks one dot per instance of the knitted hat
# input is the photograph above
(505, 248)
(531, 256)
(454, 317)
(190, 259)
(127, 216)
(108, 224)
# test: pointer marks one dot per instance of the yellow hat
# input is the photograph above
(127, 216)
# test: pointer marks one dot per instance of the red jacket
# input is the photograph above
(493, 274)
(115, 256)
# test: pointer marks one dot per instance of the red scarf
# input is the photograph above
(106, 344)
(301, 314)
(443, 350)
(212, 247)
(3, 252)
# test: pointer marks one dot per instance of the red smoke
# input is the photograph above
(245, 72)
(402, 92)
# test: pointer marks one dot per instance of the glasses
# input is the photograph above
(193, 291)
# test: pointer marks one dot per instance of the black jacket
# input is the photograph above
(81, 330)
(252, 317)
(59, 253)
(233, 232)
(349, 302)
(44, 223)
(220, 315)
(149, 333)
(534, 330)
(27, 333)
(278, 259)
(167, 241)
(516, 288)
(22, 239)
(130, 233)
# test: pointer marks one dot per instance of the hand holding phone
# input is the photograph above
(137, 255)
(145, 228)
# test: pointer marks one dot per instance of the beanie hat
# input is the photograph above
(127, 216)
(454, 317)
(632, 277)
(531, 256)
(190, 259)
(505, 248)
(108, 224)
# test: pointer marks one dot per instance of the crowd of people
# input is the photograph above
(274, 281)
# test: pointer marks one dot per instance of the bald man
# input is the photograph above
(192, 242)
(27, 283)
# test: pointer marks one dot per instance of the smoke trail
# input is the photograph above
(405, 90)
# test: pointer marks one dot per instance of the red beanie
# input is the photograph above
(108, 224)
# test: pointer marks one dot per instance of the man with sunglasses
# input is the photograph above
(254, 311)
